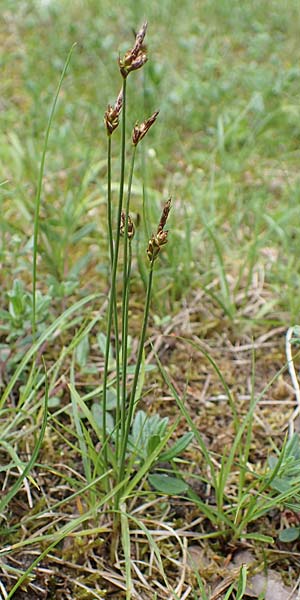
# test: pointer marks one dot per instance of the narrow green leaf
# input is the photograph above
(36, 221)
(242, 583)
(141, 379)
(259, 537)
(11, 451)
(125, 535)
(168, 485)
(179, 446)
(80, 436)
(228, 594)
(59, 535)
(88, 414)
(14, 489)
(59, 323)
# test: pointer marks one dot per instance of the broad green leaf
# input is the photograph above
(281, 485)
(179, 446)
(168, 485)
(97, 413)
(272, 460)
(153, 442)
(54, 402)
(101, 339)
(289, 535)
(82, 352)
(148, 369)
(145, 427)
(111, 399)
(138, 426)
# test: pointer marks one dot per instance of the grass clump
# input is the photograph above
(130, 438)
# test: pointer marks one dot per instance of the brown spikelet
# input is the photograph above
(164, 215)
(130, 226)
(143, 46)
(136, 57)
(112, 114)
(161, 237)
(139, 39)
(139, 131)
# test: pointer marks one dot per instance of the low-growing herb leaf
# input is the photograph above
(168, 485)
(179, 446)
(290, 534)
(153, 442)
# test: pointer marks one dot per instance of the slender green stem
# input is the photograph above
(111, 250)
(125, 334)
(39, 192)
(113, 295)
(118, 373)
(109, 202)
(146, 110)
(132, 400)
(125, 297)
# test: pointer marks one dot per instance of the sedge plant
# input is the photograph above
(121, 231)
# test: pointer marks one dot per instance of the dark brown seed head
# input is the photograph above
(161, 237)
(111, 116)
(143, 46)
(136, 57)
(139, 131)
(153, 249)
(164, 215)
(139, 39)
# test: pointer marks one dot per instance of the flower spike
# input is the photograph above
(161, 237)
(111, 116)
(136, 57)
(130, 226)
(139, 131)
